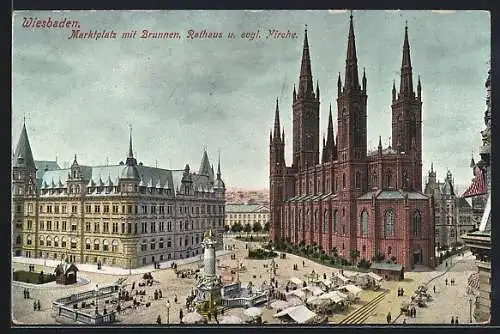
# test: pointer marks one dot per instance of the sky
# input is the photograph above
(79, 96)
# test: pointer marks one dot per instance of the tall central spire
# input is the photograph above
(406, 85)
(351, 63)
(306, 88)
(277, 122)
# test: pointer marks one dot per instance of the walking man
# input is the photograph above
(389, 317)
(452, 320)
(158, 320)
(434, 288)
(34, 305)
(456, 320)
(38, 305)
(446, 281)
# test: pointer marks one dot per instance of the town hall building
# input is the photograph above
(353, 199)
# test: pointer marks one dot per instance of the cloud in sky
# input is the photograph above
(79, 96)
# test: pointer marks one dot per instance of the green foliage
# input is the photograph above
(257, 227)
(261, 254)
(33, 277)
(266, 227)
(364, 264)
(247, 228)
(237, 227)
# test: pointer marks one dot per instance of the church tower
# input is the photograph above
(351, 104)
(276, 171)
(305, 115)
(407, 116)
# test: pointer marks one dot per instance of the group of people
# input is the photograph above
(156, 265)
(26, 293)
(401, 292)
(31, 268)
(36, 305)
(454, 320)
(452, 281)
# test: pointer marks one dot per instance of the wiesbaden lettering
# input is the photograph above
(92, 34)
(35, 22)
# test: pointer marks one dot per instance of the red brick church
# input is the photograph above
(353, 199)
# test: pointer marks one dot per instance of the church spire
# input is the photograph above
(305, 80)
(379, 148)
(406, 85)
(339, 86)
(277, 122)
(218, 168)
(351, 66)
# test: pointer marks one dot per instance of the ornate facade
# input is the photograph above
(246, 214)
(453, 215)
(354, 200)
(125, 215)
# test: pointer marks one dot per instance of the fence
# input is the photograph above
(60, 306)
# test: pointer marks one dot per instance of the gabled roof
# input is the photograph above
(243, 208)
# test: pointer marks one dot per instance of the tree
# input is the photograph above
(354, 254)
(226, 228)
(257, 227)
(247, 228)
(266, 227)
(237, 227)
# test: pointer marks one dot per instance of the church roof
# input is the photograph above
(393, 194)
(243, 208)
(42, 165)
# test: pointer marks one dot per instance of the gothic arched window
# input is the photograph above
(343, 181)
(357, 180)
(389, 223)
(325, 221)
(388, 179)
(363, 224)
(315, 223)
(405, 178)
(417, 224)
(335, 221)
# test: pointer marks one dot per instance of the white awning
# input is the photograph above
(300, 314)
(375, 276)
(351, 288)
(296, 281)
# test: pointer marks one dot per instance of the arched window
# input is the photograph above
(325, 222)
(18, 240)
(56, 242)
(96, 244)
(63, 242)
(28, 240)
(105, 245)
(374, 180)
(357, 180)
(300, 220)
(315, 221)
(48, 241)
(388, 179)
(152, 243)
(363, 224)
(335, 221)
(88, 244)
(389, 250)
(389, 223)
(114, 246)
(41, 241)
(343, 181)
(417, 224)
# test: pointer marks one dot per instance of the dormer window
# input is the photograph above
(20, 160)
(74, 174)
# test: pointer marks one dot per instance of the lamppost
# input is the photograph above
(471, 301)
(129, 267)
(96, 299)
(168, 312)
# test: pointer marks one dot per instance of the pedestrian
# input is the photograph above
(404, 321)
(180, 315)
(303, 264)
(24, 293)
(38, 305)
(389, 317)
(158, 320)
(209, 316)
(452, 320)
(34, 305)
(434, 288)
(414, 310)
(175, 299)
(402, 292)
(456, 320)
(446, 281)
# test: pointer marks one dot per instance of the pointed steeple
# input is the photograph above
(317, 89)
(276, 134)
(205, 164)
(339, 86)
(294, 94)
(379, 148)
(419, 89)
(472, 162)
(393, 90)
(131, 161)
(364, 80)
(283, 136)
(23, 157)
(351, 63)
(218, 168)
(305, 79)
(406, 84)
(432, 167)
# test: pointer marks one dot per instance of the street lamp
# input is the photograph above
(168, 312)
(96, 299)
(471, 301)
